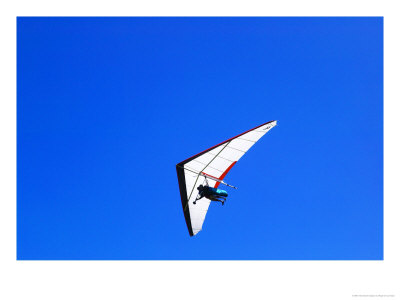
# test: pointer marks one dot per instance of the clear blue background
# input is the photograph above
(108, 106)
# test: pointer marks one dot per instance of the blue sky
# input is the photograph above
(107, 106)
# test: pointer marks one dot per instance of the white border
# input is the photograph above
(223, 280)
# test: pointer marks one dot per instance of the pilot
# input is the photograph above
(213, 194)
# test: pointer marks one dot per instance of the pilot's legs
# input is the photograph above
(219, 199)
(212, 198)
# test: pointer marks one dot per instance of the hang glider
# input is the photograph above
(210, 167)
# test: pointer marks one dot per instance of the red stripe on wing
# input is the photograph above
(224, 174)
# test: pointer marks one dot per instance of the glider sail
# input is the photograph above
(213, 164)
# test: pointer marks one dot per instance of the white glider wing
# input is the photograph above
(213, 163)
